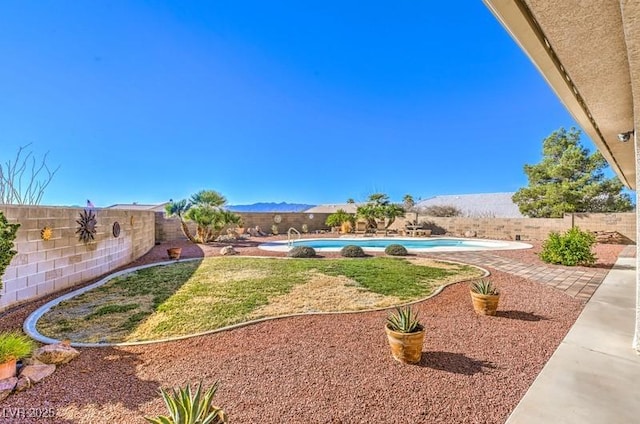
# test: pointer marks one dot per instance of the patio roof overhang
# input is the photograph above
(589, 53)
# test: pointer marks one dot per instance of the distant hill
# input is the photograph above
(270, 207)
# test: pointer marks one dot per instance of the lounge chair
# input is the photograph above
(361, 227)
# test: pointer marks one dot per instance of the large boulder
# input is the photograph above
(228, 250)
(6, 387)
(37, 373)
(55, 354)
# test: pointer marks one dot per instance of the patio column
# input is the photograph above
(636, 336)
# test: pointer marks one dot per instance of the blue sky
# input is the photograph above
(308, 102)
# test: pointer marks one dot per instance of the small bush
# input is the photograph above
(301, 252)
(396, 250)
(571, 248)
(7, 236)
(14, 345)
(352, 251)
(442, 211)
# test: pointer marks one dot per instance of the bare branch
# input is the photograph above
(24, 180)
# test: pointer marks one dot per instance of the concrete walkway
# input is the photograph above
(593, 377)
(577, 282)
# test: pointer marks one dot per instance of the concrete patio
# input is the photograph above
(592, 376)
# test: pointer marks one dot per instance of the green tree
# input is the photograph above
(569, 179)
(378, 207)
(339, 217)
(205, 208)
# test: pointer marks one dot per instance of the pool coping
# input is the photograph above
(30, 329)
(283, 245)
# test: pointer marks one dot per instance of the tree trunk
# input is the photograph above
(186, 232)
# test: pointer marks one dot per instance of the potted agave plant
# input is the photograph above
(485, 297)
(13, 346)
(405, 335)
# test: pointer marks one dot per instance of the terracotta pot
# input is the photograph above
(485, 304)
(8, 369)
(406, 347)
(174, 252)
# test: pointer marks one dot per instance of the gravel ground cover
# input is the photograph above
(327, 369)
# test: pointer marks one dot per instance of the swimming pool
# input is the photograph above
(378, 244)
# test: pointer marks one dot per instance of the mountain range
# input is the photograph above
(270, 207)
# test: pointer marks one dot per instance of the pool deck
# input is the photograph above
(579, 283)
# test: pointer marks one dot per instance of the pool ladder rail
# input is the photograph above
(290, 233)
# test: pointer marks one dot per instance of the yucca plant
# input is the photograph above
(404, 320)
(484, 286)
(14, 346)
(190, 408)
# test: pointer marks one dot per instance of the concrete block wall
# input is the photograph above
(42, 267)
(168, 229)
(527, 228)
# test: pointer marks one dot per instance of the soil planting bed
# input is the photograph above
(324, 369)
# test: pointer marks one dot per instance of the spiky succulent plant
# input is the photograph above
(190, 408)
(484, 286)
(404, 320)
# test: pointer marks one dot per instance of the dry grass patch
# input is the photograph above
(192, 297)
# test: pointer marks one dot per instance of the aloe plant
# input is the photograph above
(484, 286)
(404, 320)
(190, 408)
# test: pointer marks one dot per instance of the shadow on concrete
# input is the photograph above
(454, 362)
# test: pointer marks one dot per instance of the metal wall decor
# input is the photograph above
(86, 226)
(116, 229)
(277, 219)
(46, 233)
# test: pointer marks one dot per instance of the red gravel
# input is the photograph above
(325, 369)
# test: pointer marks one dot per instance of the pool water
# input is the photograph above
(411, 244)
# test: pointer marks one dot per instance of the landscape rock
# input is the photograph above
(470, 233)
(24, 383)
(226, 238)
(6, 387)
(37, 373)
(31, 361)
(55, 354)
(228, 250)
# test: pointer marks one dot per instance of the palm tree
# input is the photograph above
(179, 209)
(408, 202)
(379, 207)
(205, 208)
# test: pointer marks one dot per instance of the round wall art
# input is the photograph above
(116, 229)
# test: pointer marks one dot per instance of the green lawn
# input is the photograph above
(190, 297)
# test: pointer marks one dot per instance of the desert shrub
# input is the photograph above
(301, 252)
(442, 210)
(396, 250)
(571, 248)
(7, 236)
(352, 251)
